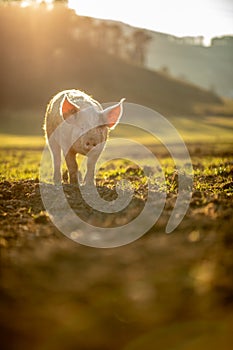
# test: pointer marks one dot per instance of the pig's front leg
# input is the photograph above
(72, 167)
(91, 163)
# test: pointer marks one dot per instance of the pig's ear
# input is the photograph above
(113, 114)
(68, 108)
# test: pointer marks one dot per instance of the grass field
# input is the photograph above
(161, 291)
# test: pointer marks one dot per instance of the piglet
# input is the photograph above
(77, 124)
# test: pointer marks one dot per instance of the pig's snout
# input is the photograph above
(89, 144)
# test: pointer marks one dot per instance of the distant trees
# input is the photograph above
(140, 43)
(65, 2)
(111, 37)
(226, 40)
(9, 1)
(165, 70)
(60, 1)
(190, 40)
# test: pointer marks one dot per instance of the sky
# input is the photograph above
(208, 18)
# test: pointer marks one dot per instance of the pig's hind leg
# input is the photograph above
(91, 164)
(56, 157)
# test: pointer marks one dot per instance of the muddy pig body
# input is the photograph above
(75, 123)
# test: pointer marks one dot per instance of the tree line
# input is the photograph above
(46, 50)
(62, 21)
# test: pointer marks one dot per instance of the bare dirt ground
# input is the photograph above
(163, 291)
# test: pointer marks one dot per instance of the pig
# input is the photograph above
(75, 123)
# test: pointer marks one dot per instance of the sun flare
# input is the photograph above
(26, 3)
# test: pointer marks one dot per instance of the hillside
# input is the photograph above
(188, 59)
(40, 58)
(209, 67)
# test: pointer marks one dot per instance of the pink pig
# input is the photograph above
(76, 123)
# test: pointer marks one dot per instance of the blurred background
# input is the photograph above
(47, 46)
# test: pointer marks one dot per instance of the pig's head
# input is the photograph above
(91, 122)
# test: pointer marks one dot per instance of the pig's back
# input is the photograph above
(53, 117)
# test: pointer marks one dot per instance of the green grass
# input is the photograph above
(211, 174)
(20, 156)
(214, 174)
(16, 165)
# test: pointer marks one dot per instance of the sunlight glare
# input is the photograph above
(26, 3)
